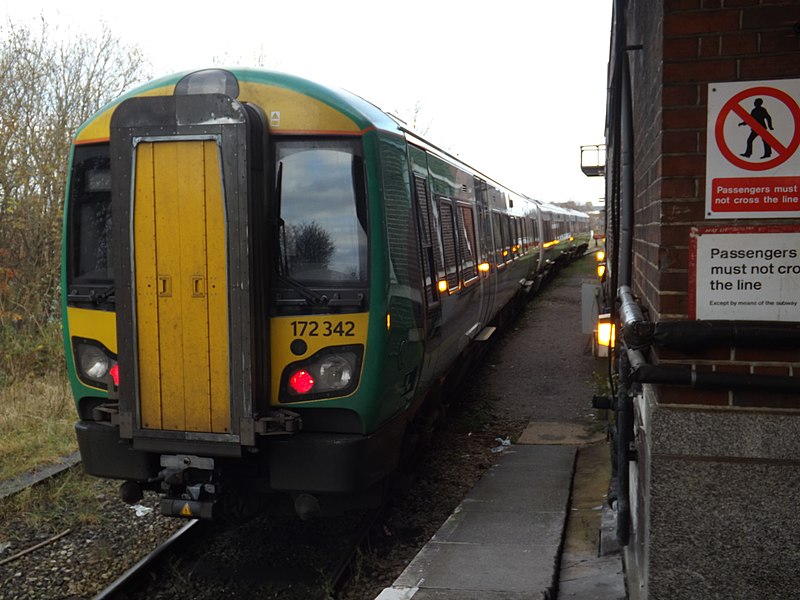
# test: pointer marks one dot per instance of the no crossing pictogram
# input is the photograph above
(759, 121)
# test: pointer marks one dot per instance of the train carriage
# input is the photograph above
(264, 279)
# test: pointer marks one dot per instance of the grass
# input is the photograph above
(585, 266)
(68, 501)
(37, 419)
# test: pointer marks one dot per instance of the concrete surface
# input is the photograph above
(504, 539)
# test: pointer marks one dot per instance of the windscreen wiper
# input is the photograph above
(94, 295)
(104, 295)
(309, 295)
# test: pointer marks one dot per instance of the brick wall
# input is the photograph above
(687, 44)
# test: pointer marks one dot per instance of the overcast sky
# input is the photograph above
(512, 87)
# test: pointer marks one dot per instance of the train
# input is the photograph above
(268, 282)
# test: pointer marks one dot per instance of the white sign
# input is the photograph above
(745, 273)
(752, 141)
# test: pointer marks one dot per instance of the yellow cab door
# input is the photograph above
(181, 287)
(191, 328)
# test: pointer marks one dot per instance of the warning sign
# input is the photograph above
(745, 273)
(752, 159)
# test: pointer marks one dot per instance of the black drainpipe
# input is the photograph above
(637, 333)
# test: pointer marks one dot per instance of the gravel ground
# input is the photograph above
(96, 550)
(540, 369)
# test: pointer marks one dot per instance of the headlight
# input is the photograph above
(330, 372)
(94, 363)
(336, 372)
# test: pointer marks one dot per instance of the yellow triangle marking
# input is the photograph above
(186, 511)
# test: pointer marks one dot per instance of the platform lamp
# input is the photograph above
(600, 257)
(605, 334)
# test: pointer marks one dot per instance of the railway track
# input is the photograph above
(202, 558)
(15, 485)
(132, 579)
(190, 562)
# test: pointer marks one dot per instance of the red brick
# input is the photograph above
(685, 118)
(680, 95)
(675, 235)
(736, 369)
(689, 23)
(768, 354)
(737, 44)
(700, 71)
(687, 164)
(775, 371)
(765, 399)
(676, 5)
(709, 46)
(778, 42)
(678, 187)
(687, 395)
(674, 281)
(683, 212)
(680, 142)
(673, 304)
(769, 67)
(681, 49)
(771, 17)
(678, 258)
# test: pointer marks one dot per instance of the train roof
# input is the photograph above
(292, 104)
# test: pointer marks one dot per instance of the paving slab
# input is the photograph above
(554, 433)
(503, 540)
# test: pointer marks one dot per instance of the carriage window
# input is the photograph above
(323, 238)
(505, 223)
(89, 231)
(466, 242)
(449, 244)
(499, 242)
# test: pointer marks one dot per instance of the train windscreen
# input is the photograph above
(89, 230)
(323, 237)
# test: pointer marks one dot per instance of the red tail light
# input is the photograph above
(301, 382)
(114, 372)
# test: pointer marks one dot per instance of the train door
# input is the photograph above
(180, 286)
(189, 336)
(486, 250)
(430, 255)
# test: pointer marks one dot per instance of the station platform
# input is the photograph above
(521, 533)
(537, 524)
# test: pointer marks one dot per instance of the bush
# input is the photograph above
(27, 352)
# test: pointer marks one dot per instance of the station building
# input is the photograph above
(703, 234)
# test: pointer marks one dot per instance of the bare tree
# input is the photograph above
(47, 89)
(313, 244)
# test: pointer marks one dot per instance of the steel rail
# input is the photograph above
(130, 577)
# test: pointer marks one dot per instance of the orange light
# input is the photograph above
(548, 244)
(442, 285)
(599, 256)
(484, 267)
(601, 270)
(606, 334)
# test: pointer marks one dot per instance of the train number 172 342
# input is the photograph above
(323, 328)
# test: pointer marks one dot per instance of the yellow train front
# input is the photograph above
(264, 280)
